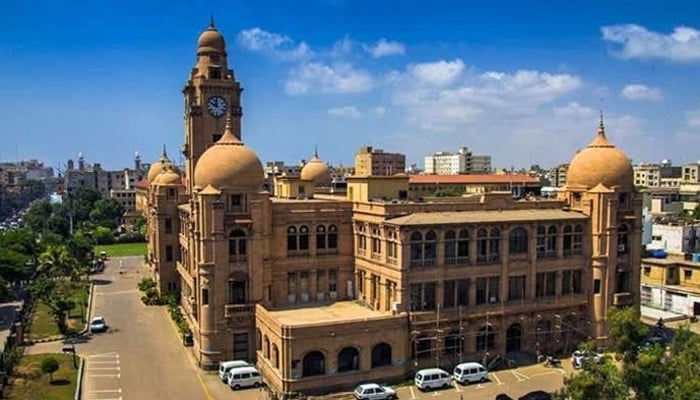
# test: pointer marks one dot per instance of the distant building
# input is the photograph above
(375, 162)
(557, 175)
(430, 185)
(17, 173)
(656, 175)
(463, 162)
(675, 237)
(103, 180)
(691, 173)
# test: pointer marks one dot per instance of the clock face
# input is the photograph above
(216, 106)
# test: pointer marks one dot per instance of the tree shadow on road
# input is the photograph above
(101, 282)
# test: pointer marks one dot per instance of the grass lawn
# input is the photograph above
(29, 383)
(43, 324)
(122, 249)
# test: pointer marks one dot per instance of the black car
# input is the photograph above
(536, 395)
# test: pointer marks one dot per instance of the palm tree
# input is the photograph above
(56, 261)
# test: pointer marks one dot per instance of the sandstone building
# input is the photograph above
(324, 291)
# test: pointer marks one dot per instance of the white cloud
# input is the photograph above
(692, 118)
(383, 48)
(574, 110)
(273, 44)
(635, 41)
(641, 92)
(345, 112)
(438, 73)
(379, 111)
(316, 77)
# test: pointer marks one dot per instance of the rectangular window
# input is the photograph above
(168, 253)
(168, 225)
(240, 346)
(236, 292)
(320, 280)
(487, 290)
(516, 287)
(448, 300)
(429, 296)
(545, 284)
(596, 286)
(332, 280)
(376, 246)
(291, 283)
(205, 297)
(566, 284)
(416, 297)
(463, 292)
(304, 285)
(236, 200)
(576, 281)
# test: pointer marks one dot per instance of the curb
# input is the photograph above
(79, 381)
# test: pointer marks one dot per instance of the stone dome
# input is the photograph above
(317, 171)
(229, 164)
(161, 165)
(600, 163)
(168, 177)
(211, 40)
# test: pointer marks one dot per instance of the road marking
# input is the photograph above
(436, 394)
(105, 376)
(103, 368)
(456, 386)
(497, 378)
(519, 376)
(543, 374)
(118, 398)
(106, 391)
(104, 362)
(105, 355)
(118, 293)
(413, 394)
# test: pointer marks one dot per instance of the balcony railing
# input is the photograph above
(238, 310)
(457, 260)
(429, 262)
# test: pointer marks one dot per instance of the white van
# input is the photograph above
(226, 366)
(470, 372)
(432, 378)
(244, 377)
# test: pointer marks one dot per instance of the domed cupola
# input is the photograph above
(229, 164)
(317, 171)
(211, 41)
(169, 177)
(600, 163)
(161, 165)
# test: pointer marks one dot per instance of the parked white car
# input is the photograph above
(98, 324)
(373, 391)
(580, 356)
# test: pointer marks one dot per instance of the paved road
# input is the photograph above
(140, 356)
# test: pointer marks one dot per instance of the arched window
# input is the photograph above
(622, 239)
(568, 240)
(381, 355)
(237, 243)
(517, 243)
(552, 241)
(292, 238)
(577, 240)
(482, 246)
(258, 339)
(348, 360)
(275, 356)
(332, 241)
(416, 247)
(450, 247)
(321, 237)
(463, 245)
(314, 364)
(541, 246)
(485, 339)
(430, 247)
(494, 245)
(303, 238)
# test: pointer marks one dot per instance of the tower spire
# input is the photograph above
(316, 151)
(601, 126)
(165, 153)
(211, 22)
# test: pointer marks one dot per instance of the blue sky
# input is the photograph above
(523, 81)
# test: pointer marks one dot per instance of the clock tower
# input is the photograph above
(211, 94)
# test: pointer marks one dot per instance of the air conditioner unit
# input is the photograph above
(493, 300)
(396, 306)
(333, 295)
(304, 297)
(320, 296)
(292, 298)
(620, 248)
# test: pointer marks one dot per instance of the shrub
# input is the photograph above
(131, 237)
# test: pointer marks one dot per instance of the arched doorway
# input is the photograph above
(514, 336)
(348, 360)
(381, 355)
(314, 364)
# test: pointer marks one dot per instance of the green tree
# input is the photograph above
(56, 261)
(595, 381)
(103, 235)
(81, 202)
(37, 216)
(49, 365)
(627, 331)
(48, 292)
(649, 374)
(107, 212)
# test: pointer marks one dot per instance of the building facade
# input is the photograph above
(463, 162)
(370, 161)
(308, 283)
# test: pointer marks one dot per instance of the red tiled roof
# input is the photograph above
(473, 179)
